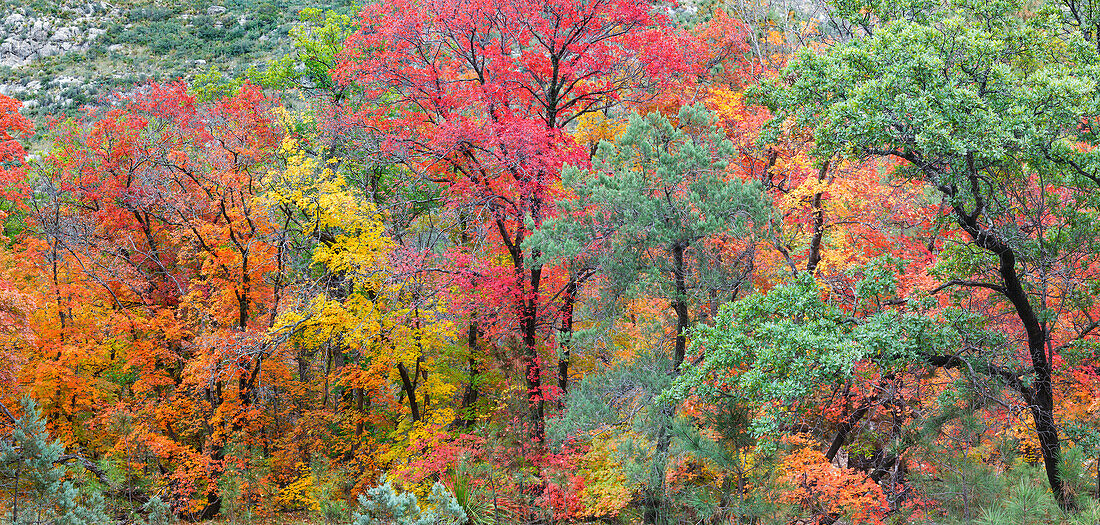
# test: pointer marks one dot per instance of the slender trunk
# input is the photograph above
(565, 339)
(469, 397)
(427, 397)
(1041, 400)
(654, 499)
(327, 369)
(57, 290)
(408, 385)
(338, 367)
(817, 223)
(466, 415)
(846, 427)
(1042, 405)
(679, 305)
(527, 283)
(533, 372)
(530, 340)
(216, 451)
(563, 378)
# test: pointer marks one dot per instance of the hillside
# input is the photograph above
(58, 56)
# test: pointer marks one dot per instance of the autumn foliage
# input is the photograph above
(566, 261)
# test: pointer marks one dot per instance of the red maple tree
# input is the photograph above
(478, 95)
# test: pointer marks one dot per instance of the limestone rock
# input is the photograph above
(49, 50)
(65, 34)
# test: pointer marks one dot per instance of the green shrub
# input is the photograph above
(382, 505)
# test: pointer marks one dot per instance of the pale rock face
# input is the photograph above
(26, 39)
(18, 49)
(49, 50)
(215, 10)
(65, 34)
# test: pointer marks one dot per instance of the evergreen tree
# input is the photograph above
(662, 210)
(33, 476)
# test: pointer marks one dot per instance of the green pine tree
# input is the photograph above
(33, 476)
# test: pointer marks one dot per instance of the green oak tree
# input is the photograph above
(995, 109)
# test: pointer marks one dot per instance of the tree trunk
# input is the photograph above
(408, 385)
(565, 339)
(846, 427)
(679, 305)
(654, 500)
(470, 395)
(532, 371)
(817, 223)
(1041, 391)
(527, 284)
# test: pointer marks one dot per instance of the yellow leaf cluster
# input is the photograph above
(594, 127)
(606, 490)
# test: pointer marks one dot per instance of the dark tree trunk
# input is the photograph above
(846, 427)
(566, 339)
(679, 305)
(654, 499)
(470, 395)
(817, 223)
(1040, 395)
(408, 387)
(532, 370)
(527, 283)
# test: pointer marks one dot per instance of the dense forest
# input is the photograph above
(565, 261)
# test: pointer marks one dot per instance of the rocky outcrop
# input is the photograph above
(25, 38)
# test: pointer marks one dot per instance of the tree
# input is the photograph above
(662, 210)
(33, 474)
(359, 309)
(158, 259)
(996, 112)
(12, 155)
(476, 94)
(15, 305)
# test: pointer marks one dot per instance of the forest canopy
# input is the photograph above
(545, 261)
